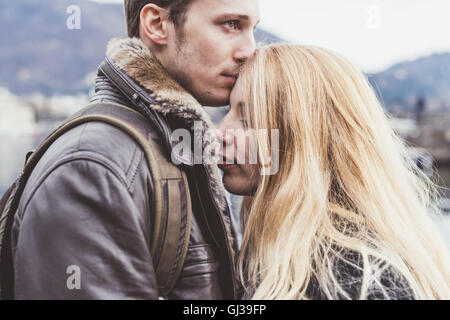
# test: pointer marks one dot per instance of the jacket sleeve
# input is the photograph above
(82, 237)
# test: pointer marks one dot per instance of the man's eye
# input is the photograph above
(232, 24)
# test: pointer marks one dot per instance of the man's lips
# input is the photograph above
(231, 77)
(231, 74)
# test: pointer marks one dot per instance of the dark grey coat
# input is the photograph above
(88, 204)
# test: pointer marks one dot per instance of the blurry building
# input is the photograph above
(16, 116)
(13, 109)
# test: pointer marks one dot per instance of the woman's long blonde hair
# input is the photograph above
(345, 184)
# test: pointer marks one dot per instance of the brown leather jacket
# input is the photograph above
(88, 204)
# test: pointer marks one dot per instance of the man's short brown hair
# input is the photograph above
(177, 12)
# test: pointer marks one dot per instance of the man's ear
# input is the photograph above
(154, 22)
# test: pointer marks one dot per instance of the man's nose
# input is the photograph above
(246, 49)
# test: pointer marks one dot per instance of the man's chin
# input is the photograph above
(221, 99)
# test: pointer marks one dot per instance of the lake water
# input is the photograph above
(12, 158)
(13, 150)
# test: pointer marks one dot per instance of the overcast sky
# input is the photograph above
(373, 34)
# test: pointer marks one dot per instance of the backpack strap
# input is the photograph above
(171, 223)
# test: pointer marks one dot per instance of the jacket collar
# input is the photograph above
(168, 97)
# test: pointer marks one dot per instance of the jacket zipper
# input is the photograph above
(224, 230)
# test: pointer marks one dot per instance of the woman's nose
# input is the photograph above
(222, 132)
(224, 135)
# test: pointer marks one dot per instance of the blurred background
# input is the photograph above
(50, 51)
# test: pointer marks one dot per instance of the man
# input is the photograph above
(83, 225)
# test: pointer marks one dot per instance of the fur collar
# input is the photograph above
(134, 58)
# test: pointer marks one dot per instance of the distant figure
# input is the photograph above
(420, 109)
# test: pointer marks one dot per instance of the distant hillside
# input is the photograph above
(427, 77)
(40, 54)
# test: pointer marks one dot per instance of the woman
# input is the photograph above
(346, 214)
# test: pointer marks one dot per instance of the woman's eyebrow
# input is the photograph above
(240, 107)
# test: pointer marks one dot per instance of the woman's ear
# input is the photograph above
(154, 21)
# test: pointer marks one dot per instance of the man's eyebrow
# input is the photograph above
(230, 16)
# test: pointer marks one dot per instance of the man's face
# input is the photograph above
(204, 54)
